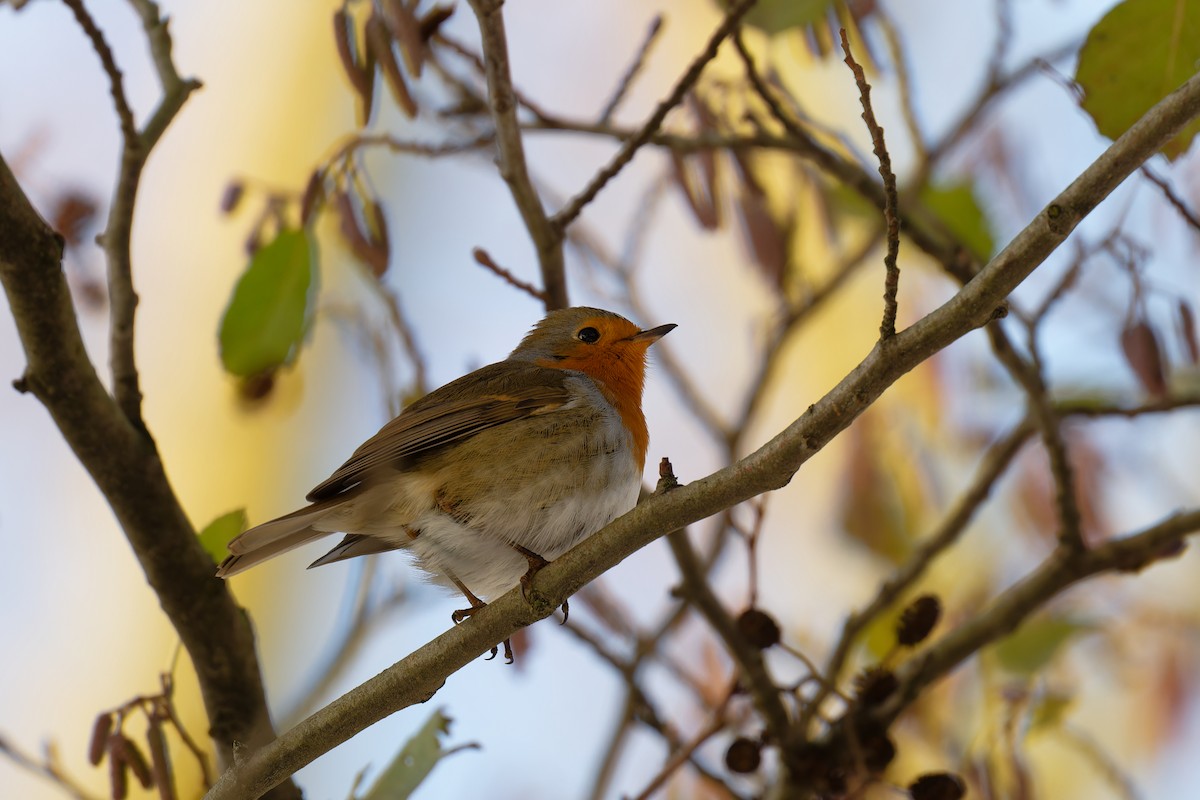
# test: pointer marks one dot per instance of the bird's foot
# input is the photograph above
(476, 604)
(536, 563)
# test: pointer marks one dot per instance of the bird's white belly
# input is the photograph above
(481, 555)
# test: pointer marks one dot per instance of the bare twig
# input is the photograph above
(484, 259)
(749, 659)
(109, 63)
(681, 757)
(636, 67)
(47, 768)
(1177, 202)
(892, 282)
(546, 235)
(629, 148)
(993, 465)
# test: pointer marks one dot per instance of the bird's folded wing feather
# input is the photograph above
(495, 395)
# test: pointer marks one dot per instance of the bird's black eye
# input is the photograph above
(588, 335)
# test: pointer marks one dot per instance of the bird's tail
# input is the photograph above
(271, 539)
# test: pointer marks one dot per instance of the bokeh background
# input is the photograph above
(80, 630)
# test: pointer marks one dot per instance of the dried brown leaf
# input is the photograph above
(137, 763)
(1142, 352)
(1187, 332)
(231, 198)
(766, 239)
(432, 21)
(118, 767)
(703, 205)
(357, 238)
(406, 30)
(314, 193)
(379, 46)
(344, 36)
(73, 213)
(98, 744)
(160, 759)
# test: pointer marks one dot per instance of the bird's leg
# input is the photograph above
(476, 604)
(536, 562)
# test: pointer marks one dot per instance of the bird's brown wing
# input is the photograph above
(495, 395)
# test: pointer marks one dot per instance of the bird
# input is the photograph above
(490, 477)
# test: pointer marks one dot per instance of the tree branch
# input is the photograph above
(418, 676)
(547, 238)
(634, 143)
(107, 433)
(125, 465)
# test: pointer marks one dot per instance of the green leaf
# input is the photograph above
(217, 535)
(1050, 710)
(775, 16)
(268, 312)
(956, 206)
(1035, 643)
(1135, 56)
(414, 762)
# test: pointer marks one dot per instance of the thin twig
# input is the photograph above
(408, 340)
(1177, 202)
(109, 62)
(546, 235)
(115, 239)
(1029, 374)
(47, 768)
(629, 148)
(892, 282)
(681, 757)
(386, 141)
(991, 467)
(630, 74)
(483, 259)
(749, 660)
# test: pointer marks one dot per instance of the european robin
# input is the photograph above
(489, 477)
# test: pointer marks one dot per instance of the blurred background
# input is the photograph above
(82, 632)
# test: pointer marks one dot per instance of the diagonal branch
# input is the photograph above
(417, 677)
(631, 145)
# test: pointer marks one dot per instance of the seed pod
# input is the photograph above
(878, 752)
(918, 620)
(758, 628)
(118, 767)
(743, 756)
(98, 744)
(937, 786)
(137, 764)
(873, 686)
(232, 196)
(160, 759)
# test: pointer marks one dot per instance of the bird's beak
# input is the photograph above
(653, 334)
